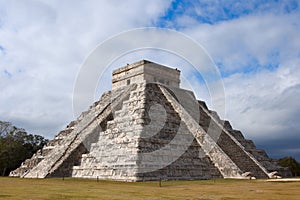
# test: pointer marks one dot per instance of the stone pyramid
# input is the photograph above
(148, 128)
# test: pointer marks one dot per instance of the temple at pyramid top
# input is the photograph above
(145, 71)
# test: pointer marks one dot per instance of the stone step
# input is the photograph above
(225, 165)
(188, 101)
(231, 146)
(88, 123)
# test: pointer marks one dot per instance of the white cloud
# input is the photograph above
(255, 39)
(259, 56)
(45, 43)
(264, 104)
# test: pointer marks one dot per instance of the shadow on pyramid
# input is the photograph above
(148, 128)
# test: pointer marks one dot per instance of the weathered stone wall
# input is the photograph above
(148, 131)
(271, 165)
(225, 141)
(114, 154)
(222, 161)
(161, 74)
(54, 157)
(120, 152)
(145, 71)
(245, 161)
(188, 164)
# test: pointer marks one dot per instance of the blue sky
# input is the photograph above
(212, 12)
(216, 12)
(255, 45)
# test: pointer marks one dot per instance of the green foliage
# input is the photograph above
(16, 146)
(292, 164)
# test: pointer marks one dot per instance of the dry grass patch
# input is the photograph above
(16, 188)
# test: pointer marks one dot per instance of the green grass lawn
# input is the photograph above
(16, 188)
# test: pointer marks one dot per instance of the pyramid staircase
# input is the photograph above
(149, 131)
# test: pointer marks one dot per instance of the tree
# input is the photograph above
(291, 163)
(16, 146)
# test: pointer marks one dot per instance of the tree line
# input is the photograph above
(292, 164)
(16, 145)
